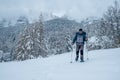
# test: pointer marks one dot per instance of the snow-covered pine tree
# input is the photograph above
(112, 18)
(31, 42)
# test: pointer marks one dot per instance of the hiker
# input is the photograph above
(80, 39)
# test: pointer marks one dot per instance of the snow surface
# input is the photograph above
(102, 65)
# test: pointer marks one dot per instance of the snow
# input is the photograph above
(93, 39)
(28, 45)
(102, 65)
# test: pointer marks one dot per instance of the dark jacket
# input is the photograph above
(76, 36)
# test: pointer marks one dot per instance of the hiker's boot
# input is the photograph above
(81, 58)
(76, 59)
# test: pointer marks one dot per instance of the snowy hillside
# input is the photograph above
(102, 65)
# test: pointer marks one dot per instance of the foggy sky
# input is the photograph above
(77, 9)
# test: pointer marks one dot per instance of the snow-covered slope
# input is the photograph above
(102, 65)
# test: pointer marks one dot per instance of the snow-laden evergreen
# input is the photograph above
(30, 43)
(105, 29)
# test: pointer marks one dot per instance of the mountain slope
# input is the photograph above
(60, 24)
(102, 65)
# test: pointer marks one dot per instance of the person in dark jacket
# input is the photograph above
(80, 39)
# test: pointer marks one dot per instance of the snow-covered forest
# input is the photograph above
(45, 37)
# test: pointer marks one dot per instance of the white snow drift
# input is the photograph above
(102, 65)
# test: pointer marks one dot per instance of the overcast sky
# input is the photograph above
(77, 9)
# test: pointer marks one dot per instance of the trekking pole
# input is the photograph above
(71, 58)
(87, 51)
(71, 55)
